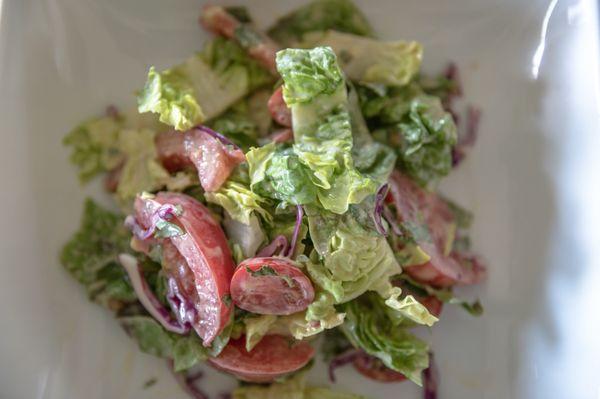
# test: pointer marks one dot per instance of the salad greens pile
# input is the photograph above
(344, 195)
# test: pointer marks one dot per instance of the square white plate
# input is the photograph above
(533, 182)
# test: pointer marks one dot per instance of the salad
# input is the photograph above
(275, 202)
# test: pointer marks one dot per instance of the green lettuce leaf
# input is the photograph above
(90, 256)
(141, 171)
(416, 125)
(315, 89)
(292, 388)
(368, 327)
(372, 159)
(185, 350)
(372, 61)
(428, 134)
(94, 143)
(239, 201)
(407, 307)
(319, 16)
(348, 259)
(277, 173)
(203, 86)
(170, 95)
(308, 74)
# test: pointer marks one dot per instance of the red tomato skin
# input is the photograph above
(205, 250)
(273, 357)
(289, 291)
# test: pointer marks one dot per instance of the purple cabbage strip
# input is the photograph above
(342, 360)
(188, 382)
(184, 310)
(299, 215)
(147, 298)
(451, 73)
(279, 244)
(379, 207)
(164, 212)
(217, 135)
(468, 139)
(387, 214)
(430, 380)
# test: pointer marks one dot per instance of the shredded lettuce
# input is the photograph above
(372, 61)
(319, 16)
(368, 327)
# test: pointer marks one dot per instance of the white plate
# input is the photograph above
(532, 181)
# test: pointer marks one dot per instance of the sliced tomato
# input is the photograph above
(279, 109)
(273, 357)
(418, 207)
(374, 369)
(271, 286)
(203, 248)
(214, 160)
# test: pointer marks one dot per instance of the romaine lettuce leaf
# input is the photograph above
(320, 15)
(141, 170)
(90, 256)
(368, 327)
(349, 259)
(308, 74)
(277, 173)
(416, 125)
(428, 134)
(239, 201)
(315, 90)
(203, 86)
(372, 61)
(318, 318)
(94, 143)
(185, 350)
(372, 159)
(170, 94)
(248, 237)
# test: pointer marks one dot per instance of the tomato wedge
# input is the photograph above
(374, 369)
(417, 206)
(274, 356)
(203, 249)
(271, 286)
(213, 159)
